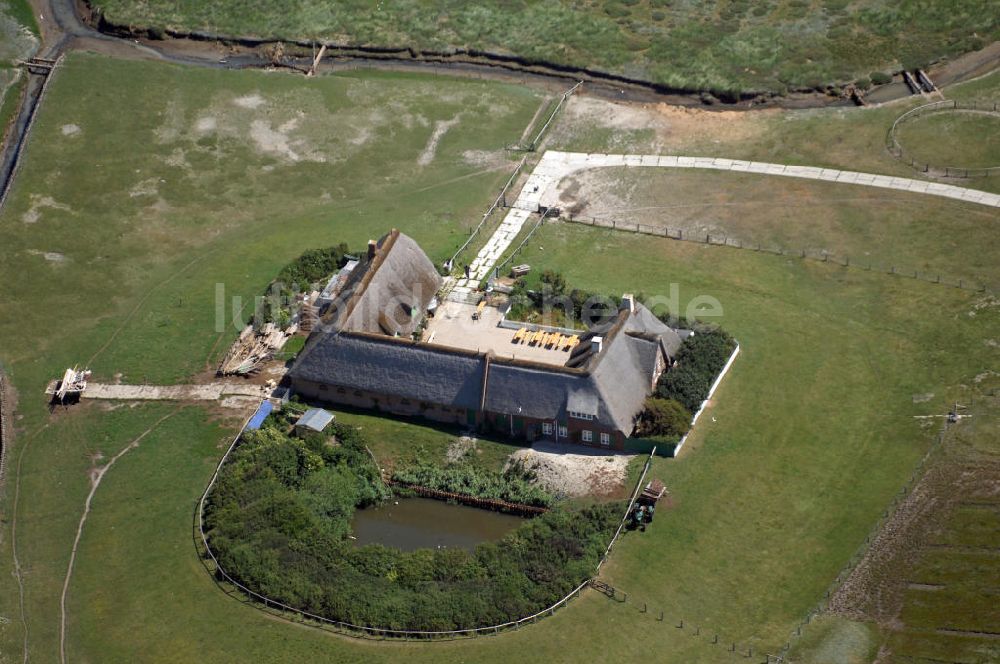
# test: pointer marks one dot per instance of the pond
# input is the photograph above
(425, 523)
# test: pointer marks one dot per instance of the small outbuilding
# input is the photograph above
(313, 420)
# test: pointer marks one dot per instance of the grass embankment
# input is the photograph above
(721, 46)
(845, 138)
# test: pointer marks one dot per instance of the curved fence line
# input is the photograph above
(364, 631)
(895, 148)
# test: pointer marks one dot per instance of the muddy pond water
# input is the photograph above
(425, 523)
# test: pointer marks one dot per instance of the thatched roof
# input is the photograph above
(356, 349)
(391, 366)
(387, 293)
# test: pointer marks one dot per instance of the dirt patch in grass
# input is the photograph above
(40, 202)
(575, 471)
(652, 128)
(441, 127)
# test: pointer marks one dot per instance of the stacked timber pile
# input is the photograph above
(253, 348)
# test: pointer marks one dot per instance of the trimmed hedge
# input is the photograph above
(700, 359)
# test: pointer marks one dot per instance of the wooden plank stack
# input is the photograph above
(253, 348)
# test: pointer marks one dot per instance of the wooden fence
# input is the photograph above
(896, 149)
(466, 499)
(808, 254)
(232, 587)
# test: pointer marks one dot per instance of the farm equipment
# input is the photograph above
(645, 505)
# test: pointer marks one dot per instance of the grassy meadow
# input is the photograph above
(958, 139)
(865, 225)
(851, 139)
(723, 46)
(122, 223)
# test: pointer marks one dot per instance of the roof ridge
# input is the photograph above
(373, 266)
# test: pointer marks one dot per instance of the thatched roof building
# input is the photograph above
(363, 356)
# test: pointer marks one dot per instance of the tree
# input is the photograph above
(553, 282)
(664, 417)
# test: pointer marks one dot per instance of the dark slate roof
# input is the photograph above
(390, 366)
(389, 293)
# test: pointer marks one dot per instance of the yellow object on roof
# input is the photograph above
(571, 341)
(519, 335)
(481, 306)
(536, 337)
(553, 339)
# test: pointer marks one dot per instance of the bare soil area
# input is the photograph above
(574, 471)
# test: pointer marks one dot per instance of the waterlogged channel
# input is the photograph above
(425, 523)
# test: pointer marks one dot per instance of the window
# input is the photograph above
(547, 428)
(563, 432)
(588, 436)
(322, 387)
(605, 439)
(341, 390)
(581, 416)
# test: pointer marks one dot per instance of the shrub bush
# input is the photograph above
(278, 517)
(666, 418)
(700, 359)
(880, 78)
(513, 485)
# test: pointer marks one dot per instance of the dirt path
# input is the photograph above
(541, 189)
(18, 574)
(95, 481)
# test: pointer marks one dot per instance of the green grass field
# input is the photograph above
(722, 46)
(192, 182)
(864, 225)
(960, 139)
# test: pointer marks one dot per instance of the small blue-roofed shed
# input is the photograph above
(258, 418)
(314, 419)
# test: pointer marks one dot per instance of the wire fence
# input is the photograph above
(896, 149)
(233, 587)
(497, 202)
(520, 247)
(541, 132)
(807, 254)
(5, 438)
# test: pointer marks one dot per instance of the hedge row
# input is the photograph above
(513, 485)
(701, 357)
(279, 516)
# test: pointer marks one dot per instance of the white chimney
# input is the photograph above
(596, 344)
(628, 302)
